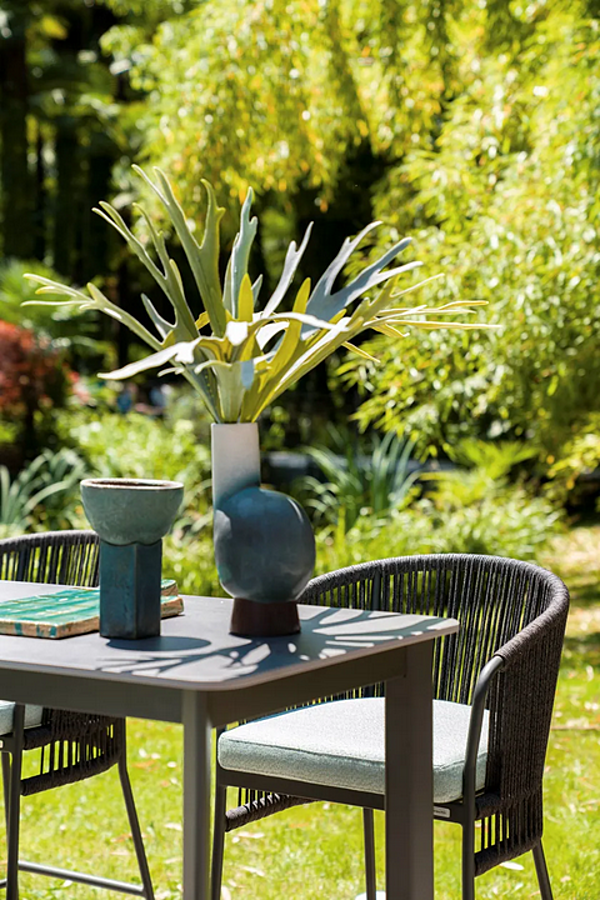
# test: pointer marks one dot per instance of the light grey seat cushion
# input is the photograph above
(33, 716)
(341, 744)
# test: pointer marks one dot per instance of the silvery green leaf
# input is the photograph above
(231, 390)
(269, 331)
(114, 218)
(102, 303)
(162, 326)
(202, 259)
(51, 302)
(292, 258)
(326, 305)
(240, 253)
(343, 298)
(149, 362)
(114, 314)
(325, 283)
(256, 288)
(318, 351)
(361, 285)
(314, 322)
(185, 352)
(52, 287)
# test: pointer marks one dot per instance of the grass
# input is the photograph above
(316, 851)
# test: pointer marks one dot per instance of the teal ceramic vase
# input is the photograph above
(131, 516)
(264, 544)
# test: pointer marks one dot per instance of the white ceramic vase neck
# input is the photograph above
(235, 459)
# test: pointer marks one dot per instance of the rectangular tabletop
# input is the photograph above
(337, 649)
(198, 674)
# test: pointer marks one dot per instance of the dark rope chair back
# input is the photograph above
(74, 745)
(504, 658)
(54, 557)
(92, 743)
(508, 609)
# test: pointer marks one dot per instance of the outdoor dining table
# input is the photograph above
(198, 674)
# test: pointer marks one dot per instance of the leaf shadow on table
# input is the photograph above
(326, 633)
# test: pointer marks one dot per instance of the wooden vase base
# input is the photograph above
(252, 619)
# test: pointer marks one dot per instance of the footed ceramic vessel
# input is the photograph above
(131, 516)
(264, 544)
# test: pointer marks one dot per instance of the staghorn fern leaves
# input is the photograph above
(251, 356)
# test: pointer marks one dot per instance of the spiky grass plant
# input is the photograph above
(238, 357)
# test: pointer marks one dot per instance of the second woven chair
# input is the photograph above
(73, 745)
(493, 683)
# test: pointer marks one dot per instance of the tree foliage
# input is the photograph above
(279, 93)
(473, 127)
(507, 200)
(481, 124)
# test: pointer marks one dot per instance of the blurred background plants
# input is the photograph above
(34, 382)
(471, 508)
(41, 495)
(358, 478)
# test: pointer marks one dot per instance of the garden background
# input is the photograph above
(472, 127)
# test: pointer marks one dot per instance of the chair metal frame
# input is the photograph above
(487, 669)
(73, 746)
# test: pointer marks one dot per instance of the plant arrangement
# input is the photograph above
(238, 356)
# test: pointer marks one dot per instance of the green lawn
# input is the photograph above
(315, 851)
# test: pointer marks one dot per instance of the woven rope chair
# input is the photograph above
(494, 679)
(73, 746)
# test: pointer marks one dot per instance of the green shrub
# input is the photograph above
(42, 496)
(60, 326)
(138, 446)
(578, 457)
(189, 559)
(476, 510)
(507, 523)
(368, 479)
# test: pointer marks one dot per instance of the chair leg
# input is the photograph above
(542, 872)
(134, 824)
(6, 784)
(13, 798)
(468, 861)
(218, 842)
(369, 833)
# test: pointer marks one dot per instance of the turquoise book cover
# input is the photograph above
(68, 612)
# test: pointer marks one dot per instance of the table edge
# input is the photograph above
(446, 626)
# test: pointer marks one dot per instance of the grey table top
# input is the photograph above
(196, 652)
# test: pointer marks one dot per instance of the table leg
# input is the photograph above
(196, 797)
(409, 779)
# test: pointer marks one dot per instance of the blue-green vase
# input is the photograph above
(264, 544)
(131, 516)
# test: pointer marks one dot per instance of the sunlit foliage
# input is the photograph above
(481, 121)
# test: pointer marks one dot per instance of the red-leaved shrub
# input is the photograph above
(33, 378)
